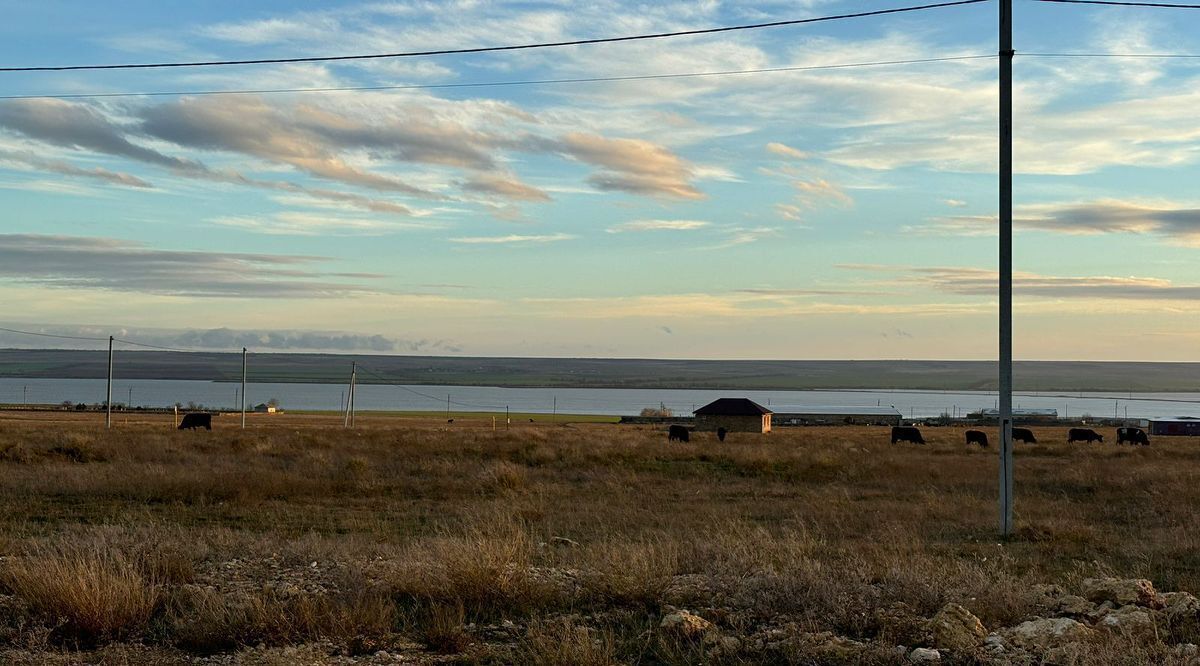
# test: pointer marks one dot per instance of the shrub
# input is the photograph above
(98, 593)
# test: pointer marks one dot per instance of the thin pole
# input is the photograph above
(1006, 195)
(353, 377)
(25, 397)
(554, 411)
(507, 418)
(349, 392)
(243, 388)
(447, 406)
(108, 399)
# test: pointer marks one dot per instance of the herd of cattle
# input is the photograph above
(1130, 435)
(912, 434)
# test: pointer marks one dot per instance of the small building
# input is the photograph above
(734, 415)
(1176, 425)
(264, 408)
(1022, 415)
(836, 415)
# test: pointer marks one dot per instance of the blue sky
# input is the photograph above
(838, 213)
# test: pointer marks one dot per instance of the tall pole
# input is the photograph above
(1006, 184)
(353, 375)
(243, 388)
(108, 392)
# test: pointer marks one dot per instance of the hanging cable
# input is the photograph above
(492, 49)
(489, 84)
(1167, 5)
(51, 335)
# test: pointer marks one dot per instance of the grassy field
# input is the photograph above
(297, 541)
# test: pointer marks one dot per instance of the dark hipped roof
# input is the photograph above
(732, 407)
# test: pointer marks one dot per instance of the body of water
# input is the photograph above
(377, 397)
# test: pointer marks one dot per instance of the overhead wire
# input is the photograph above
(1122, 3)
(52, 335)
(493, 49)
(486, 84)
(389, 381)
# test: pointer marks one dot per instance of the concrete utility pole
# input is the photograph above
(1006, 195)
(108, 392)
(350, 395)
(243, 388)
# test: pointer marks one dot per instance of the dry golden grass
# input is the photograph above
(580, 534)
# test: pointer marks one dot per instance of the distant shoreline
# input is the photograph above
(1030, 376)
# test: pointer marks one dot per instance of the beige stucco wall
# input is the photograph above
(759, 424)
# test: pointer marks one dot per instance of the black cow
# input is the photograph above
(1133, 436)
(977, 437)
(1083, 435)
(191, 421)
(721, 432)
(677, 432)
(907, 434)
(1024, 435)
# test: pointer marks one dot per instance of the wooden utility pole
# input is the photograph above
(108, 392)
(1006, 196)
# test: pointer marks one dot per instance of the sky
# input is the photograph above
(840, 213)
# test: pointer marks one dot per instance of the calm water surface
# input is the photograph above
(371, 397)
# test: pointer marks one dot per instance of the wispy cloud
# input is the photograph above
(966, 281)
(512, 239)
(786, 151)
(107, 263)
(635, 166)
(658, 225)
(1175, 222)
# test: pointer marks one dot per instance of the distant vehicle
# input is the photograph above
(907, 434)
(1083, 435)
(1133, 436)
(1023, 435)
(677, 432)
(721, 432)
(977, 437)
(192, 421)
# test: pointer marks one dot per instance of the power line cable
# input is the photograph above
(492, 49)
(485, 84)
(392, 382)
(1167, 5)
(1148, 56)
(51, 335)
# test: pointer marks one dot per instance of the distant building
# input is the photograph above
(1022, 415)
(264, 408)
(1176, 425)
(826, 415)
(734, 415)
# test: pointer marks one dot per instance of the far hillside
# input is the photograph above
(606, 373)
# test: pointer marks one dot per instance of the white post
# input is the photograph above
(1006, 195)
(108, 392)
(243, 388)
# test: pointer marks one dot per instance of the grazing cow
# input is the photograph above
(677, 432)
(907, 434)
(1083, 435)
(977, 437)
(1024, 435)
(1133, 436)
(721, 433)
(191, 421)
(449, 420)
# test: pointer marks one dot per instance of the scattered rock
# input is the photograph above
(1120, 591)
(924, 656)
(956, 628)
(685, 624)
(1045, 633)
(1129, 620)
(1073, 605)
